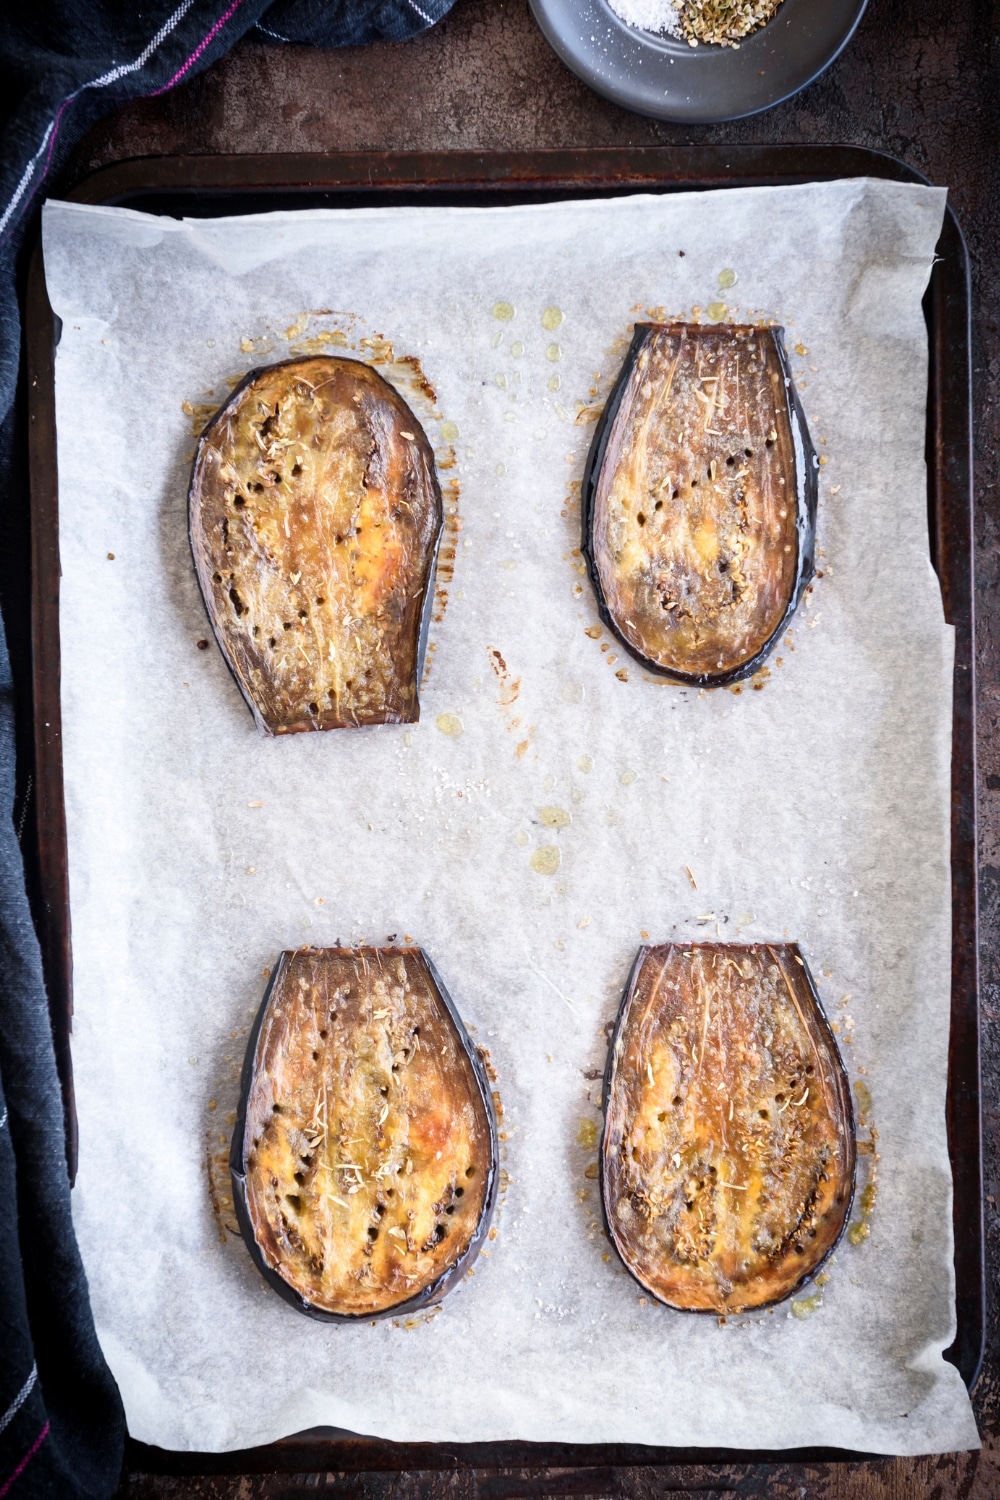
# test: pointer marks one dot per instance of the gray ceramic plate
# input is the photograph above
(665, 77)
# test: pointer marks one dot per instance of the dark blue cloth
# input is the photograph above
(63, 65)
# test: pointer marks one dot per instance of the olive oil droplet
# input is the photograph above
(551, 318)
(804, 1307)
(503, 311)
(727, 278)
(546, 860)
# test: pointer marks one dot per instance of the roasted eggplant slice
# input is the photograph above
(728, 1155)
(699, 500)
(364, 1158)
(315, 516)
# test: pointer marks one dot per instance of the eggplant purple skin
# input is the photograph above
(237, 1170)
(813, 1272)
(806, 495)
(427, 610)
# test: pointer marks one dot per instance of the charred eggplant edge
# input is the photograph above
(427, 607)
(238, 1164)
(843, 1084)
(806, 496)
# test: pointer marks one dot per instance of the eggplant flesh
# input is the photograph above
(728, 1153)
(315, 515)
(364, 1159)
(700, 500)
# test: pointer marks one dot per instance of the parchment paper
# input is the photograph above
(812, 805)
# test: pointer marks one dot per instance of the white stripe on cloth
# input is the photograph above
(19, 1399)
(413, 6)
(105, 79)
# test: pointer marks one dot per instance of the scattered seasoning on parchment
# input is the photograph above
(721, 22)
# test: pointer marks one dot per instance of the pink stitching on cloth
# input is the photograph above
(182, 70)
(55, 133)
(26, 1460)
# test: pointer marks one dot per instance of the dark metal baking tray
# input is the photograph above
(210, 186)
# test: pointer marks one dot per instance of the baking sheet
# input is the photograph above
(814, 808)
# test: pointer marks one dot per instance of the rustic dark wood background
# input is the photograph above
(919, 80)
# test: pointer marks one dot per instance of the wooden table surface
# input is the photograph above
(919, 81)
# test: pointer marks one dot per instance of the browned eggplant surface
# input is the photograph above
(315, 515)
(700, 500)
(364, 1159)
(728, 1156)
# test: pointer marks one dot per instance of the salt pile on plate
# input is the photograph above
(649, 15)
